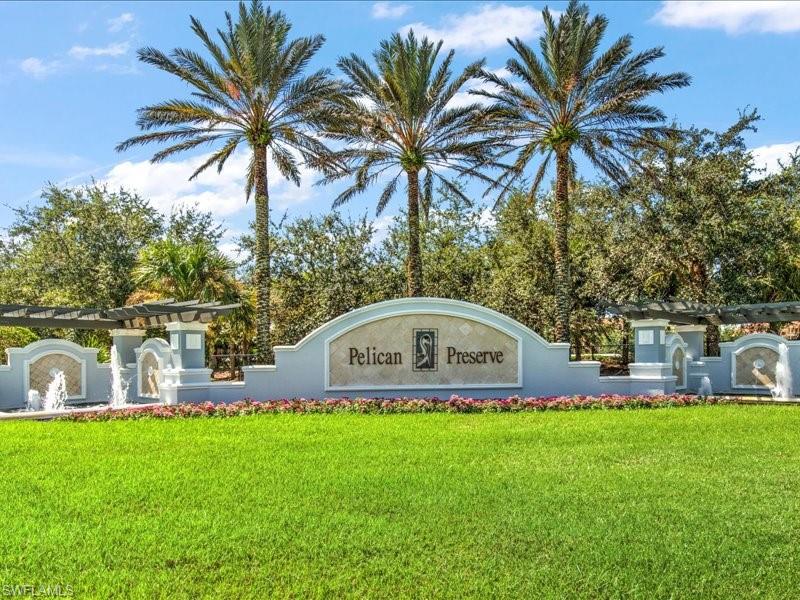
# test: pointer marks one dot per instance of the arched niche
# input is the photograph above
(152, 358)
(676, 351)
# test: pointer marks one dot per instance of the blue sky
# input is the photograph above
(70, 82)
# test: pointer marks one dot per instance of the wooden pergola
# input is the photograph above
(688, 312)
(137, 316)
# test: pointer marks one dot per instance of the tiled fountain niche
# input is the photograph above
(33, 368)
(754, 365)
(746, 365)
(42, 369)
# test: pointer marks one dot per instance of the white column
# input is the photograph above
(126, 341)
(649, 339)
(188, 344)
(694, 336)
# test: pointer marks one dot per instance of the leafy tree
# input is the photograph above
(326, 266)
(572, 99)
(519, 250)
(453, 247)
(189, 225)
(250, 91)
(14, 337)
(77, 248)
(717, 229)
(400, 120)
(197, 270)
(235, 332)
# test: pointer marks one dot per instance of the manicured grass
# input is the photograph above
(672, 503)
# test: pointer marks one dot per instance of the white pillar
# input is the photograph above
(694, 336)
(188, 344)
(189, 380)
(126, 341)
(649, 340)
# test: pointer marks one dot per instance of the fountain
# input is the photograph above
(782, 390)
(119, 387)
(705, 387)
(56, 396)
(34, 401)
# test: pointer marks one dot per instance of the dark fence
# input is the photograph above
(614, 358)
(229, 366)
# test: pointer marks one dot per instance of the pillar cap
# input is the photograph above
(193, 326)
(649, 323)
(688, 328)
(128, 333)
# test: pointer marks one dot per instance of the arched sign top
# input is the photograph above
(420, 306)
(419, 343)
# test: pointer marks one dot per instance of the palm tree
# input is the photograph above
(186, 272)
(249, 91)
(573, 98)
(401, 119)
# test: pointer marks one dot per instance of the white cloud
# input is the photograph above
(382, 225)
(118, 23)
(167, 184)
(767, 157)
(389, 10)
(38, 68)
(115, 49)
(229, 244)
(487, 27)
(732, 17)
(231, 249)
(130, 68)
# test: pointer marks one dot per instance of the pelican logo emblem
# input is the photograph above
(426, 349)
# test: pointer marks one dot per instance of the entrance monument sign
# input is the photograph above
(423, 349)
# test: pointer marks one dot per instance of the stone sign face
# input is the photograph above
(423, 350)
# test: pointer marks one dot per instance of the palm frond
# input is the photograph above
(573, 96)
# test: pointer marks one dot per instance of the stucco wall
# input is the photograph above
(14, 375)
(721, 370)
(300, 370)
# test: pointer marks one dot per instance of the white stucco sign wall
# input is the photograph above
(423, 349)
(418, 347)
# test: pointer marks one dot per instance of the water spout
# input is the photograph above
(705, 387)
(56, 396)
(34, 401)
(119, 387)
(782, 390)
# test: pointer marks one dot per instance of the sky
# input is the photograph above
(70, 84)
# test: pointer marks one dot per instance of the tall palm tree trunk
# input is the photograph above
(414, 262)
(263, 268)
(698, 280)
(561, 253)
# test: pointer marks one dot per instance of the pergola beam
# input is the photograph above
(687, 312)
(56, 323)
(149, 314)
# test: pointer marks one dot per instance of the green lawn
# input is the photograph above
(684, 503)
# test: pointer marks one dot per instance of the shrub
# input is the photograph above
(455, 404)
(14, 337)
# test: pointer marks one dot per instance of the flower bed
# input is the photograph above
(456, 404)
